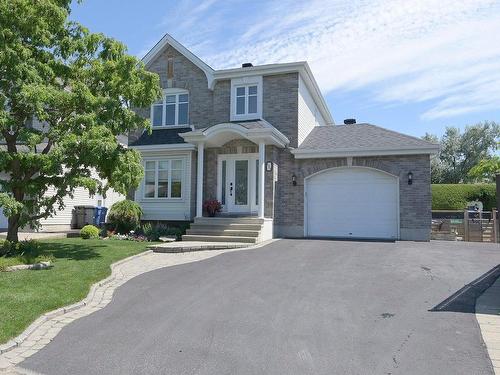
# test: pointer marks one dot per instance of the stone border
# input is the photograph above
(46, 327)
(488, 318)
(34, 266)
(13, 343)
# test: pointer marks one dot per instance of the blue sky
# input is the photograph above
(414, 66)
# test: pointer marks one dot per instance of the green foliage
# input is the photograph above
(456, 196)
(154, 232)
(125, 216)
(29, 248)
(486, 170)
(89, 231)
(83, 88)
(460, 152)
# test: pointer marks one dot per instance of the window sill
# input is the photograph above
(162, 199)
(171, 126)
(255, 117)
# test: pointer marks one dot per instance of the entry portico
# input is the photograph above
(240, 177)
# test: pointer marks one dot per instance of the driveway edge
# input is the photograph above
(46, 327)
(488, 318)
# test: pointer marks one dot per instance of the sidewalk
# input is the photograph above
(488, 317)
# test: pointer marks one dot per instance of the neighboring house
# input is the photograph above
(261, 140)
(63, 219)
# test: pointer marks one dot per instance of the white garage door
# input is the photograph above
(352, 202)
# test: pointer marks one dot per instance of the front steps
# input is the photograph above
(247, 230)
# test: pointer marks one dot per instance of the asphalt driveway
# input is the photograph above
(292, 307)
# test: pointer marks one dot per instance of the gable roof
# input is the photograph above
(301, 67)
(360, 140)
(169, 40)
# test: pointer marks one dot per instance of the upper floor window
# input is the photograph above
(172, 109)
(246, 98)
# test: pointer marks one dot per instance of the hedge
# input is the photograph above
(456, 196)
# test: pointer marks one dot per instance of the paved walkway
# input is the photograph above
(43, 331)
(488, 317)
(294, 307)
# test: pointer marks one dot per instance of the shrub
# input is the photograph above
(29, 249)
(154, 232)
(125, 216)
(89, 231)
(456, 196)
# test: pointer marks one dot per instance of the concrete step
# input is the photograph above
(206, 238)
(211, 231)
(228, 220)
(223, 226)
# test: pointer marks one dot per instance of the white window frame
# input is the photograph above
(156, 170)
(246, 82)
(168, 92)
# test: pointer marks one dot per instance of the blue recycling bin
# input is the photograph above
(100, 216)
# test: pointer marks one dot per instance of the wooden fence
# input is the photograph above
(465, 226)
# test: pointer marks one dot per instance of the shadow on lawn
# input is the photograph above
(464, 299)
(70, 251)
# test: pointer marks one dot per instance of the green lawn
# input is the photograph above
(25, 295)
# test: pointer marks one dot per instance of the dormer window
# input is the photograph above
(246, 98)
(171, 110)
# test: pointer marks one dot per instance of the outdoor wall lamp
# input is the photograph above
(294, 180)
(410, 178)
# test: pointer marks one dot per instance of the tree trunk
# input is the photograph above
(12, 232)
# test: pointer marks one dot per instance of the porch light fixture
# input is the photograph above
(294, 180)
(269, 166)
(410, 178)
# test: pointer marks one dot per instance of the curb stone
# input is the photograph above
(488, 318)
(15, 342)
(8, 363)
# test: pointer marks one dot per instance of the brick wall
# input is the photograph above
(280, 104)
(415, 199)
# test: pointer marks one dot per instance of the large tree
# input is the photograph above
(83, 87)
(460, 152)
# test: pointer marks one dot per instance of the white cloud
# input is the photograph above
(445, 51)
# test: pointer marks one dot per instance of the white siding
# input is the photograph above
(308, 113)
(167, 209)
(81, 198)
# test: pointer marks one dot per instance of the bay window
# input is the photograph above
(171, 110)
(163, 178)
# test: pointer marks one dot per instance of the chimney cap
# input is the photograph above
(247, 65)
(349, 121)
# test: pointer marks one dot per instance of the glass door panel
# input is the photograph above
(241, 182)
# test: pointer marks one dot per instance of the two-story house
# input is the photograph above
(261, 140)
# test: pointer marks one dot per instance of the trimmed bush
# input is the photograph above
(154, 232)
(125, 216)
(89, 231)
(456, 196)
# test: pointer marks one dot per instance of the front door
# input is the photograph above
(237, 184)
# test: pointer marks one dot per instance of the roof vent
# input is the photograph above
(246, 65)
(350, 121)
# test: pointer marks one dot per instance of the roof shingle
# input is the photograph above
(359, 137)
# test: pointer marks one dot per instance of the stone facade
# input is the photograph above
(415, 199)
(284, 202)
